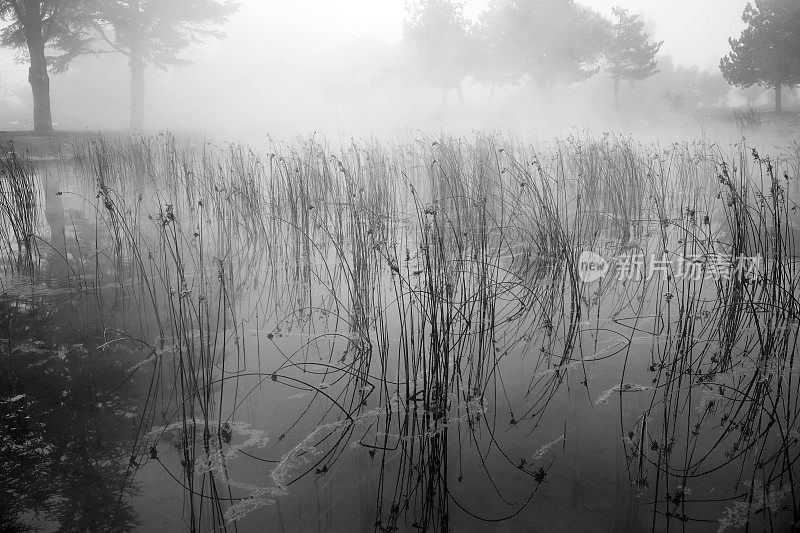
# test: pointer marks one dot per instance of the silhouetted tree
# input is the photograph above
(631, 54)
(768, 51)
(685, 88)
(36, 26)
(549, 41)
(155, 32)
(492, 67)
(440, 39)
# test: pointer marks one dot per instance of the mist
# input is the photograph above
(399, 265)
(292, 68)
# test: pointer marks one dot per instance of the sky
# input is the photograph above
(695, 32)
(290, 64)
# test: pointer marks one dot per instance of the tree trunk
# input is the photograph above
(460, 93)
(40, 85)
(137, 91)
(778, 98)
(445, 94)
(616, 93)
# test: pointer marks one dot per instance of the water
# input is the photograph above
(368, 341)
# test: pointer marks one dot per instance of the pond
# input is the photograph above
(439, 334)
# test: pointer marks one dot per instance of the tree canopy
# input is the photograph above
(156, 32)
(36, 26)
(550, 41)
(59, 24)
(631, 55)
(768, 51)
(159, 30)
(441, 41)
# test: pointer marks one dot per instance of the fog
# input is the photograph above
(399, 265)
(343, 69)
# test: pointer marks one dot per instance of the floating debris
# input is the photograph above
(762, 500)
(625, 387)
(538, 454)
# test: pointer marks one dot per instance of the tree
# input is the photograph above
(768, 51)
(440, 39)
(549, 41)
(685, 88)
(631, 55)
(155, 32)
(34, 26)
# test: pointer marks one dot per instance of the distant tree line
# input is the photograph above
(551, 42)
(542, 42)
(51, 33)
(545, 42)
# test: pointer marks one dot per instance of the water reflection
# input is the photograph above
(397, 339)
(66, 424)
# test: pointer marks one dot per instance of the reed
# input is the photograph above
(394, 287)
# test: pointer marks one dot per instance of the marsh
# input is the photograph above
(236, 327)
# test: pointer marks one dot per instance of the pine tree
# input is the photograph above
(768, 51)
(631, 54)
